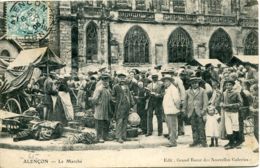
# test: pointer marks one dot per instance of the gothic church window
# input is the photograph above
(233, 6)
(179, 46)
(91, 42)
(220, 46)
(178, 6)
(140, 5)
(214, 6)
(251, 44)
(136, 46)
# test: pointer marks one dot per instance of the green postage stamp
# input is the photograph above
(29, 20)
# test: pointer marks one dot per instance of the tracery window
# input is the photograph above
(220, 46)
(136, 46)
(178, 6)
(233, 6)
(214, 6)
(179, 46)
(140, 5)
(123, 4)
(91, 42)
(251, 44)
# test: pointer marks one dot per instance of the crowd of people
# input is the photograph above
(215, 101)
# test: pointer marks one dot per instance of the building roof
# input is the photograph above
(40, 57)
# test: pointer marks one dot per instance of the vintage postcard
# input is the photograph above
(129, 83)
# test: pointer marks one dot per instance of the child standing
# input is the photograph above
(195, 105)
(212, 125)
(230, 103)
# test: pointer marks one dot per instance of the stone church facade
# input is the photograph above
(148, 32)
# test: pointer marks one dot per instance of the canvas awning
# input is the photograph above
(203, 62)
(38, 57)
(252, 59)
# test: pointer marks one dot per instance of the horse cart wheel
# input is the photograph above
(12, 105)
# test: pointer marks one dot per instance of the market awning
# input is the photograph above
(252, 59)
(203, 62)
(38, 57)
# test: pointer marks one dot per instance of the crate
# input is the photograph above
(132, 132)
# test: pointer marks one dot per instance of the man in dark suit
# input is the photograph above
(195, 105)
(140, 99)
(124, 101)
(155, 104)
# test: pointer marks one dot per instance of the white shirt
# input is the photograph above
(171, 100)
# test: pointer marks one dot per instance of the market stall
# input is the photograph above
(243, 59)
(203, 62)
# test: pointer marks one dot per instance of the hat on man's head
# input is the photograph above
(195, 79)
(105, 76)
(67, 75)
(92, 77)
(208, 65)
(154, 75)
(92, 73)
(102, 69)
(167, 77)
(121, 75)
(159, 67)
(143, 72)
(136, 71)
(229, 81)
(52, 73)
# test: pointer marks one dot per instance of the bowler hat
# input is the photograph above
(120, 75)
(167, 77)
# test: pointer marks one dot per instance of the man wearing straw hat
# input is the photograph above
(195, 105)
(171, 107)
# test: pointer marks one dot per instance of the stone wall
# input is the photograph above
(159, 34)
(54, 36)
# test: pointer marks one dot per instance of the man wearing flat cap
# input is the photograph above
(206, 75)
(123, 103)
(195, 105)
(155, 91)
(171, 107)
(102, 99)
(231, 101)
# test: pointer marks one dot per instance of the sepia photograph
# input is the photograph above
(129, 83)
